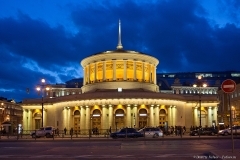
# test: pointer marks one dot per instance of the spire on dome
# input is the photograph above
(119, 46)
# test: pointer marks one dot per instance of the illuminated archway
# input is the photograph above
(142, 118)
(162, 117)
(37, 120)
(96, 119)
(76, 121)
(119, 119)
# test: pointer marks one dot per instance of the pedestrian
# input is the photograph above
(65, 130)
(184, 129)
(110, 130)
(57, 132)
(71, 131)
(97, 133)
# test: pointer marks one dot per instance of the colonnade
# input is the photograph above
(208, 116)
(131, 116)
(119, 70)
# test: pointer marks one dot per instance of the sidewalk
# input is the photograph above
(105, 137)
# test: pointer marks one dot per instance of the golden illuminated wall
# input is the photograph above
(92, 74)
(139, 73)
(130, 71)
(119, 70)
(109, 71)
(99, 71)
(120, 66)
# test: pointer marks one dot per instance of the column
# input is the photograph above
(128, 116)
(114, 70)
(149, 73)
(174, 115)
(125, 70)
(84, 75)
(151, 116)
(104, 119)
(30, 120)
(104, 71)
(88, 77)
(215, 114)
(24, 125)
(68, 118)
(83, 118)
(170, 116)
(95, 73)
(156, 119)
(87, 118)
(63, 118)
(134, 70)
(209, 116)
(155, 75)
(195, 116)
(110, 115)
(44, 117)
(135, 118)
(143, 72)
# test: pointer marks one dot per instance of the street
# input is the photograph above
(120, 149)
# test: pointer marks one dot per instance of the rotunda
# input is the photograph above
(119, 90)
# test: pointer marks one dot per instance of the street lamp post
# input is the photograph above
(199, 85)
(41, 88)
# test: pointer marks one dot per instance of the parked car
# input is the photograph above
(126, 132)
(204, 131)
(47, 132)
(151, 132)
(227, 131)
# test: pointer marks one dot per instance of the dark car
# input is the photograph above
(204, 131)
(126, 132)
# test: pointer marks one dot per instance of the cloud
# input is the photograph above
(185, 36)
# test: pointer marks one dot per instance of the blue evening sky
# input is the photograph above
(48, 38)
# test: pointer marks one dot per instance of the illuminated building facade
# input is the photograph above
(10, 115)
(224, 108)
(119, 89)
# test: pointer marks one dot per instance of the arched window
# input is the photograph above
(96, 113)
(142, 112)
(119, 113)
(77, 113)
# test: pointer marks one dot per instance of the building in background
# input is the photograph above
(10, 116)
(234, 108)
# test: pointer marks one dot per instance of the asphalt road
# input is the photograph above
(182, 149)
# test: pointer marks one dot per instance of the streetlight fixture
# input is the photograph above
(199, 85)
(41, 88)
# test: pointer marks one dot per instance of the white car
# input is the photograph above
(47, 132)
(225, 132)
(151, 132)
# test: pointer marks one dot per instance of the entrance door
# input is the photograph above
(142, 118)
(142, 122)
(77, 124)
(162, 117)
(76, 121)
(119, 119)
(96, 121)
(37, 123)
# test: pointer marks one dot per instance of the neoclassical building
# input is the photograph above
(119, 89)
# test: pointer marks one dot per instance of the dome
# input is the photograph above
(119, 68)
